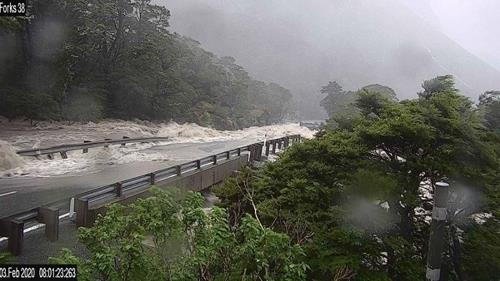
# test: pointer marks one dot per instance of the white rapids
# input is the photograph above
(19, 135)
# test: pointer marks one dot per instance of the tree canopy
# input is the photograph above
(87, 60)
(165, 237)
(358, 198)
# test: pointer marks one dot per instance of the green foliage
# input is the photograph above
(440, 84)
(482, 252)
(489, 105)
(337, 102)
(116, 58)
(349, 197)
(5, 258)
(345, 107)
(167, 238)
(267, 255)
(66, 257)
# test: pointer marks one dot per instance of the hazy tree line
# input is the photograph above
(343, 105)
(86, 60)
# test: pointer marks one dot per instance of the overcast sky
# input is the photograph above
(303, 44)
(474, 24)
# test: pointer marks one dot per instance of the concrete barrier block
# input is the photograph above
(15, 237)
(50, 217)
(82, 209)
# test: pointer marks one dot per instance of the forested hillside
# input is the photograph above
(87, 60)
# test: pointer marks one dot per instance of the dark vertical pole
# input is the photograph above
(16, 237)
(63, 154)
(253, 152)
(106, 145)
(257, 151)
(228, 154)
(198, 164)
(119, 189)
(123, 144)
(437, 233)
(267, 148)
(50, 217)
(239, 151)
(178, 170)
(274, 147)
(152, 178)
(214, 159)
(82, 209)
(86, 150)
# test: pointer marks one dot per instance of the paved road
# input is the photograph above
(24, 193)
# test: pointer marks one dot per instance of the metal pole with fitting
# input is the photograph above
(437, 233)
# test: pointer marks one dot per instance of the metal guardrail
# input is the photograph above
(13, 226)
(63, 149)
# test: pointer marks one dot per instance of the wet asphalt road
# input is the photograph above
(19, 194)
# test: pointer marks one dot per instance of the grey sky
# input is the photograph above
(303, 44)
(474, 24)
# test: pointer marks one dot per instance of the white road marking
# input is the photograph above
(8, 193)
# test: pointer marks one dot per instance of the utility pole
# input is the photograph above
(437, 234)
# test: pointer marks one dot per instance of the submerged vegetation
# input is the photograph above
(351, 204)
(87, 60)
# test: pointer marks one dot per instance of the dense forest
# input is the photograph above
(87, 60)
(354, 203)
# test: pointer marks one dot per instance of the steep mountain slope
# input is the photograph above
(304, 44)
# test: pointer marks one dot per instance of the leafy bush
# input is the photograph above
(163, 238)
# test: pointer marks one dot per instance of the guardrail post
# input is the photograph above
(228, 154)
(86, 150)
(15, 236)
(267, 148)
(124, 137)
(152, 178)
(178, 170)
(287, 142)
(251, 149)
(214, 159)
(64, 155)
(274, 146)
(50, 156)
(119, 189)
(50, 217)
(198, 164)
(107, 145)
(239, 151)
(258, 151)
(82, 209)
(280, 143)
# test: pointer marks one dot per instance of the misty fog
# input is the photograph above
(304, 44)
